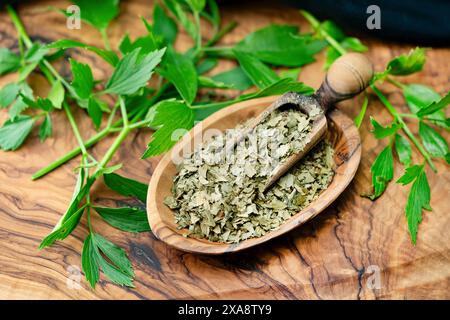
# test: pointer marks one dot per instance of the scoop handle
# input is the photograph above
(349, 75)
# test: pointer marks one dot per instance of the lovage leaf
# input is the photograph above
(56, 94)
(407, 64)
(133, 71)
(89, 262)
(176, 9)
(433, 141)
(181, 72)
(126, 219)
(403, 148)
(164, 25)
(382, 172)
(83, 81)
(126, 187)
(9, 61)
(171, 115)
(381, 132)
(8, 94)
(281, 45)
(235, 77)
(98, 13)
(95, 112)
(435, 106)
(45, 129)
(419, 97)
(14, 132)
(260, 74)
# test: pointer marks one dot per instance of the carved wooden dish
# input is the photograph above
(342, 134)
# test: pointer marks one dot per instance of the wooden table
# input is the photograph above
(333, 256)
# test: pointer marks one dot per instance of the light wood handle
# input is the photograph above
(349, 75)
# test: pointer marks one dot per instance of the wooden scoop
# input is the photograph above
(348, 75)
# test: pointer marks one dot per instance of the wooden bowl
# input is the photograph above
(342, 134)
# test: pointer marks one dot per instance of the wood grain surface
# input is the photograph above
(332, 256)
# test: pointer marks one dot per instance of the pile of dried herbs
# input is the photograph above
(219, 195)
(188, 89)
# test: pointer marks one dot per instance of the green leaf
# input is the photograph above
(410, 174)
(41, 103)
(107, 55)
(126, 219)
(235, 77)
(8, 94)
(332, 29)
(433, 141)
(176, 9)
(133, 72)
(26, 70)
(418, 199)
(119, 270)
(435, 106)
(407, 64)
(197, 5)
(164, 26)
(260, 74)
(281, 45)
(14, 133)
(82, 81)
(170, 116)
(126, 187)
(45, 129)
(418, 97)
(95, 112)
(9, 61)
(89, 262)
(180, 71)
(382, 172)
(381, 132)
(403, 148)
(146, 43)
(207, 82)
(56, 94)
(214, 13)
(19, 105)
(206, 65)
(98, 13)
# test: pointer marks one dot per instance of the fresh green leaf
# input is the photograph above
(95, 112)
(382, 172)
(126, 187)
(176, 9)
(41, 103)
(381, 132)
(89, 262)
(332, 29)
(407, 64)
(115, 254)
(8, 94)
(45, 129)
(82, 81)
(410, 174)
(281, 45)
(435, 106)
(197, 5)
(403, 148)
(235, 77)
(433, 141)
(214, 13)
(56, 94)
(260, 74)
(98, 13)
(19, 105)
(9, 61)
(133, 72)
(170, 116)
(14, 133)
(107, 55)
(126, 219)
(418, 199)
(180, 71)
(206, 65)
(26, 70)
(164, 26)
(146, 43)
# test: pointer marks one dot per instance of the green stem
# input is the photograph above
(19, 26)
(75, 129)
(110, 152)
(105, 38)
(396, 83)
(216, 38)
